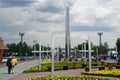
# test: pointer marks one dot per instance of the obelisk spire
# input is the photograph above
(67, 34)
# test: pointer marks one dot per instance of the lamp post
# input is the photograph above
(75, 52)
(85, 52)
(35, 42)
(47, 50)
(100, 44)
(21, 35)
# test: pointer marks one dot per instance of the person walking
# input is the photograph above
(8, 64)
(14, 62)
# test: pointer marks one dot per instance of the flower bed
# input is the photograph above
(32, 69)
(45, 62)
(45, 65)
(66, 78)
(112, 73)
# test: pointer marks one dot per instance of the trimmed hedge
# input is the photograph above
(112, 73)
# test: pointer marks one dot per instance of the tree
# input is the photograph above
(104, 48)
(118, 43)
(25, 49)
(81, 46)
(12, 47)
(15, 48)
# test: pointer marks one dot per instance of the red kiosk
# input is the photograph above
(2, 48)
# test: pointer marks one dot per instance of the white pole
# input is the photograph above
(34, 46)
(85, 52)
(39, 56)
(52, 70)
(89, 54)
(34, 49)
(75, 52)
(47, 51)
(58, 53)
(82, 50)
(97, 54)
(43, 53)
(116, 48)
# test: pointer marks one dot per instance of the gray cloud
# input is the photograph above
(50, 8)
(103, 1)
(99, 25)
(41, 20)
(36, 18)
(16, 3)
(91, 28)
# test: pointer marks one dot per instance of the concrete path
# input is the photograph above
(19, 69)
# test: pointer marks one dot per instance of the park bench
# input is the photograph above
(64, 67)
(117, 66)
(100, 67)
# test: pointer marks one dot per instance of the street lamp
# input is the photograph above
(35, 42)
(75, 52)
(100, 44)
(100, 34)
(21, 35)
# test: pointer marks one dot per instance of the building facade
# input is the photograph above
(2, 48)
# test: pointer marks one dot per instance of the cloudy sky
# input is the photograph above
(38, 19)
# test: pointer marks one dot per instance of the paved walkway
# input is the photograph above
(19, 69)
(18, 75)
(73, 72)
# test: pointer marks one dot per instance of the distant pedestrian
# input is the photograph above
(8, 64)
(43, 57)
(14, 63)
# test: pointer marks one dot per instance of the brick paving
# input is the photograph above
(73, 72)
(18, 75)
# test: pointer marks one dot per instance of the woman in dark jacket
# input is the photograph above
(9, 65)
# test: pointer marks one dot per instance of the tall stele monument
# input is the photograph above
(67, 34)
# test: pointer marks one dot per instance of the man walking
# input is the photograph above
(8, 64)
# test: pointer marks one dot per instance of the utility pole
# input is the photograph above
(21, 35)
